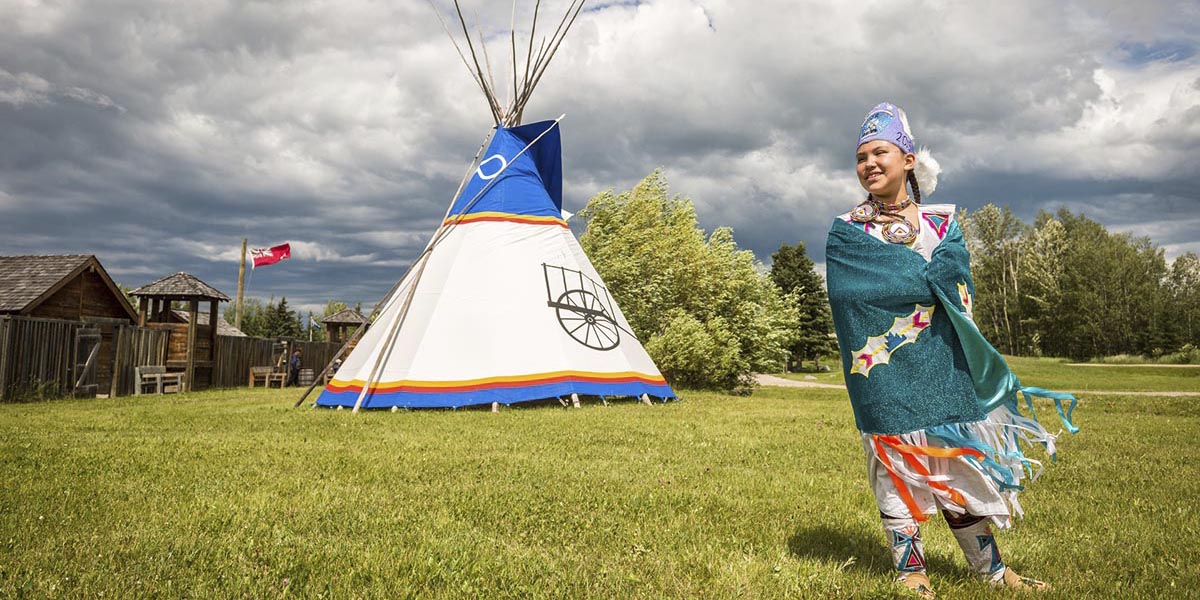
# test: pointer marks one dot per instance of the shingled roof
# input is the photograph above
(349, 315)
(223, 326)
(180, 286)
(24, 279)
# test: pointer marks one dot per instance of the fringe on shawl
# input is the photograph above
(992, 446)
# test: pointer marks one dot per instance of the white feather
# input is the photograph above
(926, 170)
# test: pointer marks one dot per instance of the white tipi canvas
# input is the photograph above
(504, 306)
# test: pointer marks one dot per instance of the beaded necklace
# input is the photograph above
(896, 228)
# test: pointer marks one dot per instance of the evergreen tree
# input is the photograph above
(794, 274)
(281, 321)
(253, 316)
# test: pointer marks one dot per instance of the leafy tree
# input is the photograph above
(709, 318)
(993, 237)
(1113, 299)
(1183, 286)
(1066, 286)
(794, 273)
(1046, 244)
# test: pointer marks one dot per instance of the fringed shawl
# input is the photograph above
(911, 355)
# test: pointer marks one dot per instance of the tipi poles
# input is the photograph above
(487, 91)
(388, 296)
(474, 75)
(535, 63)
(385, 350)
(441, 234)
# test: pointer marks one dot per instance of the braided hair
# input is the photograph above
(916, 189)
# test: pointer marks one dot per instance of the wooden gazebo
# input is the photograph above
(192, 346)
(341, 325)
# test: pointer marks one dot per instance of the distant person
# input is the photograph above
(294, 369)
(337, 364)
(935, 403)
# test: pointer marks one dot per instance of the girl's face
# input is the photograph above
(883, 169)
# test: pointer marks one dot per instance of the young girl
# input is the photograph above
(936, 404)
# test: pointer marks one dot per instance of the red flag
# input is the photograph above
(269, 256)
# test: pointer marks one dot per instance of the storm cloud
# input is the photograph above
(157, 135)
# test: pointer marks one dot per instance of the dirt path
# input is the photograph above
(1135, 366)
(771, 380)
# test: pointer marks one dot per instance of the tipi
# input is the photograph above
(503, 306)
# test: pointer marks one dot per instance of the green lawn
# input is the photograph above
(1056, 374)
(234, 493)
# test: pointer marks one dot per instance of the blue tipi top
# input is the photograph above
(516, 183)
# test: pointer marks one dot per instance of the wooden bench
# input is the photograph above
(266, 375)
(157, 376)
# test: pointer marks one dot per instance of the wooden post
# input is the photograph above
(213, 317)
(5, 352)
(118, 335)
(212, 321)
(190, 373)
(237, 311)
(143, 303)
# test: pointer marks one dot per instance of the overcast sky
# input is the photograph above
(156, 135)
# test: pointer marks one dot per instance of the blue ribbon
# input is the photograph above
(1058, 398)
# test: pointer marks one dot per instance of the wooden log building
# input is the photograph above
(69, 287)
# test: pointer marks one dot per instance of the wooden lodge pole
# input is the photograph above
(237, 313)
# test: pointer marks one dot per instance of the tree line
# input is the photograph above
(1066, 286)
(273, 319)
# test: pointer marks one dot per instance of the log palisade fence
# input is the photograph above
(36, 357)
(40, 358)
(235, 356)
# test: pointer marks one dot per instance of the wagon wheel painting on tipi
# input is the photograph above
(583, 308)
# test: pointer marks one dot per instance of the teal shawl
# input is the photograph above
(911, 356)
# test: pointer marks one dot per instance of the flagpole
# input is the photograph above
(237, 318)
(310, 325)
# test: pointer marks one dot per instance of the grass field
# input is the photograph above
(1055, 373)
(234, 493)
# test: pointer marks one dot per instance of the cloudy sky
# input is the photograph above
(157, 134)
